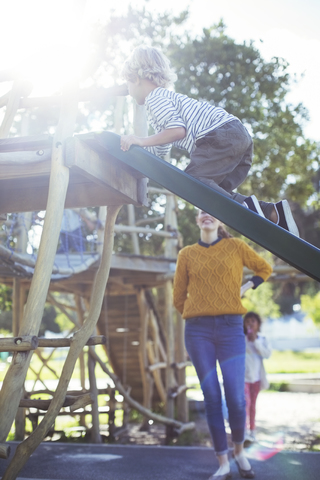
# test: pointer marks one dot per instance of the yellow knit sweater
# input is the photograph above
(208, 279)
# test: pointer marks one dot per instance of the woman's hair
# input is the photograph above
(150, 63)
(223, 233)
(251, 315)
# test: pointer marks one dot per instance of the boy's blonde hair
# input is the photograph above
(150, 63)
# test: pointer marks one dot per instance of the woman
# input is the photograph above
(207, 292)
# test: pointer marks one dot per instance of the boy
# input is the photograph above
(219, 145)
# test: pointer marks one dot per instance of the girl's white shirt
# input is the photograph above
(255, 353)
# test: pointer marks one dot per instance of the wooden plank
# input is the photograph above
(104, 171)
(18, 344)
(66, 342)
(34, 142)
(9, 162)
(22, 196)
(91, 139)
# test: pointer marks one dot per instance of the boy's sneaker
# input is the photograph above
(253, 205)
(285, 217)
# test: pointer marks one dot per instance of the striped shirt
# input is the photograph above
(167, 109)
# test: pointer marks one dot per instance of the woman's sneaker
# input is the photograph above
(285, 217)
(253, 205)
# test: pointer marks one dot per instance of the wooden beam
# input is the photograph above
(181, 389)
(29, 160)
(104, 171)
(23, 144)
(19, 344)
(157, 366)
(146, 231)
(66, 342)
(78, 401)
(18, 195)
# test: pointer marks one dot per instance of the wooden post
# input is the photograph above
(79, 310)
(182, 401)
(134, 236)
(11, 392)
(95, 430)
(24, 224)
(170, 224)
(19, 298)
(17, 311)
(147, 380)
(16, 304)
(19, 89)
(102, 217)
(140, 128)
(25, 449)
(169, 332)
(112, 413)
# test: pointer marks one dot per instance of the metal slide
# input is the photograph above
(298, 253)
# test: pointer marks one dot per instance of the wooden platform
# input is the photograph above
(96, 178)
(120, 318)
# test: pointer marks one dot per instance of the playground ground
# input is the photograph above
(288, 426)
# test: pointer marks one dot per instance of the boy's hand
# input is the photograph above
(127, 140)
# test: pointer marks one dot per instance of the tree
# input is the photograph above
(311, 305)
(48, 321)
(261, 301)
(213, 67)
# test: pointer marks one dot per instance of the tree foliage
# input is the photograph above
(311, 305)
(261, 301)
(48, 321)
(214, 68)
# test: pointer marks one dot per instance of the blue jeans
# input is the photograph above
(221, 338)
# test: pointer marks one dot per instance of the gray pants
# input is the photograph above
(223, 158)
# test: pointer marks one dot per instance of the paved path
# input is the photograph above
(56, 461)
(293, 416)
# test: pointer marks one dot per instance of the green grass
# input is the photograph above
(293, 362)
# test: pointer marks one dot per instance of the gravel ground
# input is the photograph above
(291, 420)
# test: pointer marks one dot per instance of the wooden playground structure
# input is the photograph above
(67, 171)
(114, 300)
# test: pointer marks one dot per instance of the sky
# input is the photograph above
(284, 28)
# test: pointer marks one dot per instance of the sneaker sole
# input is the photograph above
(287, 216)
(254, 206)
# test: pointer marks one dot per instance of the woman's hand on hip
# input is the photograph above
(245, 287)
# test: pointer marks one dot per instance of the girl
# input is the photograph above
(219, 145)
(207, 292)
(257, 348)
